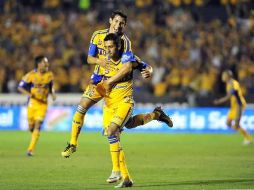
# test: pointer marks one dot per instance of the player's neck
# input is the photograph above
(115, 58)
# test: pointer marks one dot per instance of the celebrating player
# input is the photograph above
(91, 95)
(37, 84)
(237, 104)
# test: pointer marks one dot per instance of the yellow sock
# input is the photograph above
(244, 133)
(114, 147)
(123, 166)
(34, 139)
(77, 123)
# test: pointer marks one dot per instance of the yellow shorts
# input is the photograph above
(118, 115)
(36, 112)
(92, 93)
(235, 113)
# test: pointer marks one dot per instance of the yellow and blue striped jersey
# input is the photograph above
(38, 84)
(236, 98)
(123, 90)
(96, 47)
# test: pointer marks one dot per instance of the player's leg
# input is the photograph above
(236, 126)
(142, 119)
(121, 116)
(89, 98)
(113, 145)
(77, 124)
(34, 138)
(36, 117)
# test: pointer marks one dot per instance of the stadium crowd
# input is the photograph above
(187, 52)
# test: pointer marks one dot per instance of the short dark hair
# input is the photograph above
(120, 13)
(113, 37)
(38, 59)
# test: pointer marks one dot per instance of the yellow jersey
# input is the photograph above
(123, 90)
(38, 84)
(236, 98)
(96, 47)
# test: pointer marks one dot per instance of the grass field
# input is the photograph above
(155, 161)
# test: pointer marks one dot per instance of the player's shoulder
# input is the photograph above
(124, 37)
(50, 74)
(128, 57)
(100, 32)
(29, 75)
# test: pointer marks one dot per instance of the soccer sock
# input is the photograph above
(244, 133)
(114, 146)
(142, 119)
(123, 166)
(77, 123)
(34, 139)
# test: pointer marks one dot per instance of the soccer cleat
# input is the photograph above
(29, 153)
(70, 149)
(247, 142)
(114, 177)
(163, 117)
(125, 183)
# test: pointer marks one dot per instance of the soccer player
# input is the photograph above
(118, 105)
(237, 104)
(118, 101)
(96, 55)
(37, 84)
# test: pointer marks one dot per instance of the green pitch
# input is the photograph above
(155, 161)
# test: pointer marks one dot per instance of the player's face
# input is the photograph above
(111, 48)
(224, 77)
(44, 65)
(117, 24)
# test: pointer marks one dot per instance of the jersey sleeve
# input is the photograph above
(93, 49)
(128, 57)
(26, 82)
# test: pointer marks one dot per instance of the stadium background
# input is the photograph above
(187, 42)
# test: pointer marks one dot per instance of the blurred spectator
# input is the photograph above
(187, 53)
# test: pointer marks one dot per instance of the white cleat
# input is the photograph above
(114, 177)
(247, 142)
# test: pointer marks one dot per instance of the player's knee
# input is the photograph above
(113, 130)
(38, 124)
(86, 103)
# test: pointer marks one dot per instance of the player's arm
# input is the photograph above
(52, 90)
(24, 91)
(145, 69)
(25, 85)
(222, 100)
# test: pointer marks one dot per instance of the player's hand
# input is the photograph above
(104, 88)
(147, 73)
(216, 102)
